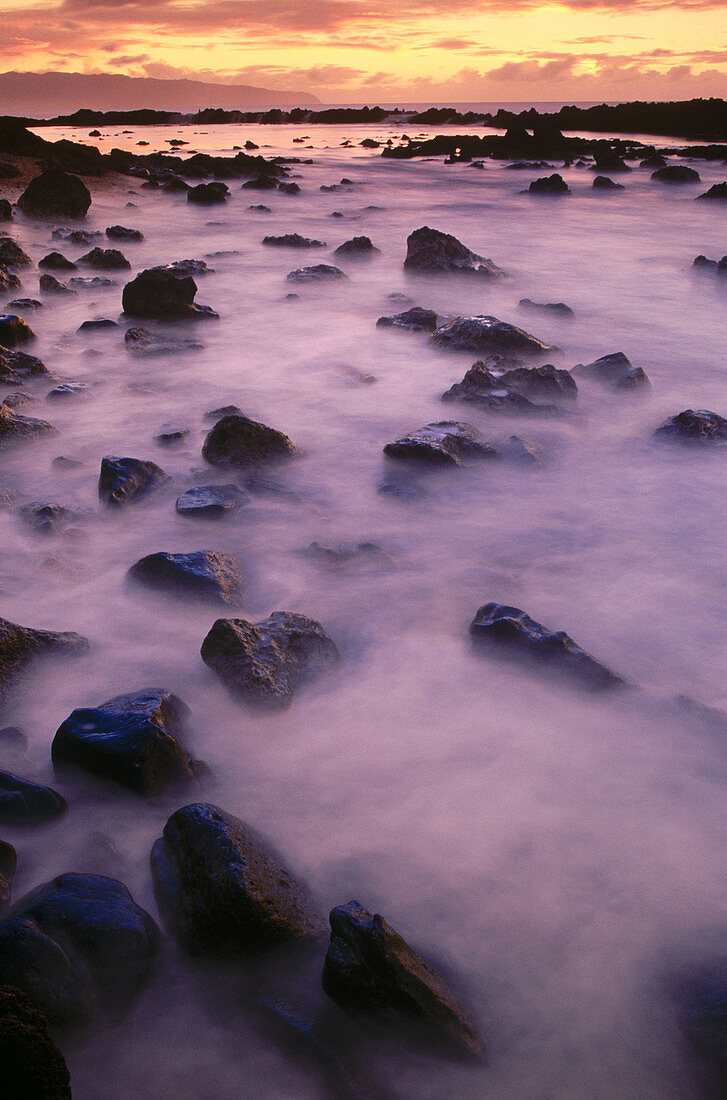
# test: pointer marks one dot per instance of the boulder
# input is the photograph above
(8, 867)
(163, 292)
(261, 183)
(239, 441)
(93, 282)
(689, 426)
(6, 210)
(64, 390)
(603, 183)
(121, 233)
(124, 480)
(76, 236)
(77, 946)
(614, 370)
(558, 309)
(431, 252)
(370, 970)
(676, 173)
(26, 803)
(33, 1066)
(549, 185)
(131, 739)
(210, 501)
(56, 261)
(318, 273)
(654, 160)
(25, 304)
(205, 194)
(20, 645)
(19, 399)
(294, 240)
(446, 443)
(289, 188)
(55, 194)
(717, 191)
(489, 335)
(170, 437)
(8, 280)
(510, 631)
(415, 319)
(357, 247)
(105, 259)
(203, 574)
(222, 889)
(15, 428)
(263, 664)
(98, 324)
(12, 255)
(140, 341)
(46, 518)
(14, 331)
(48, 284)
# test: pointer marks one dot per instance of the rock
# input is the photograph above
(289, 188)
(8, 281)
(188, 267)
(369, 969)
(260, 208)
(15, 428)
(12, 255)
(654, 160)
(613, 370)
(65, 390)
(357, 246)
(205, 194)
(239, 441)
(25, 304)
(140, 341)
(55, 194)
(8, 866)
(335, 557)
(203, 574)
(701, 997)
(447, 442)
(210, 501)
(224, 410)
(121, 233)
(131, 739)
(76, 236)
(19, 400)
(26, 803)
(47, 519)
(432, 252)
(6, 210)
(523, 450)
(261, 183)
(63, 462)
(97, 325)
(705, 262)
(94, 282)
(508, 630)
(560, 309)
(48, 284)
(694, 427)
(603, 183)
(487, 334)
(33, 1066)
(263, 664)
(549, 185)
(717, 191)
(165, 293)
(105, 259)
(56, 261)
(294, 240)
(124, 480)
(13, 738)
(20, 645)
(14, 331)
(77, 946)
(415, 319)
(318, 273)
(172, 436)
(676, 173)
(222, 889)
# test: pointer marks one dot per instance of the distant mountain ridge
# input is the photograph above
(43, 95)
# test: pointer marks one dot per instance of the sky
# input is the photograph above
(366, 51)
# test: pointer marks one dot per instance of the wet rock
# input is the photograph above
(12, 255)
(140, 341)
(261, 183)
(603, 183)
(203, 574)
(45, 518)
(56, 261)
(210, 501)
(6, 210)
(432, 252)
(93, 282)
(20, 645)
(124, 480)
(485, 385)
(8, 866)
(55, 194)
(717, 191)
(14, 331)
(26, 803)
(224, 410)
(689, 426)
(165, 293)
(613, 370)
(415, 319)
(294, 240)
(65, 390)
(488, 334)
(446, 442)
(205, 194)
(97, 325)
(77, 946)
(8, 280)
(15, 428)
(105, 259)
(19, 400)
(369, 143)
(76, 236)
(510, 631)
(48, 284)
(189, 267)
(33, 1066)
(25, 304)
(239, 441)
(359, 553)
(549, 185)
(260, 208)
(63, 462)
(369, 969)
(132, 739)
(263, 664)
(172, 436)
(356, 247)
(654, 160)
(289, 188)
(701, 1001)
(222, 889)
(318, 273)
(121, 233)
(676, 173)
(558, 309)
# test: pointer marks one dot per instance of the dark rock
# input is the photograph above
(14, 331)
(55, 194)
(447, 442)
(289, 188)
(508, 630)
(608, 160)
(33, 1066)
(357, 246)
(9, 171)
(549, 185)
(163, 292)
(12, 255)
(654, 160)
(263, 664)
(484, 385)
(316, 274)
(121, 233)
(140, 341)
(676, 173)
(294, 240)
(19, 400)
(717, 191)
(94, 282)
(415, 319)
(48, 284)
(224, 410)
(66, 390)
(105, 259)
(76, 236)
(694, 427)
(174, 183)
(15, 428)
(488, 334)
(222, 889)
(701, 1001)
(603, 183)
(560, 309)
(56, 261)
(19, 645)
(203, 574)
(26, 803)
(432, 252)
(613, 370)
(364, 553)
(172, 436)
(97, 325)
(6, 210)
(369, 969)
(262, 183)
(8, 866)
(205, 194)
(210, 501)
(369, 143)
(76, 946)
(705, 262)
(260, 208)
(239, 441)
(94, 133)
(47, 519)
(8, 280)
(13, 738)
(131, 739)
(25, 304)
(63, 462)
(189, 267)
(124, 480)
(523, 450)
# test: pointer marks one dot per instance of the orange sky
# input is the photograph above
(370, 50)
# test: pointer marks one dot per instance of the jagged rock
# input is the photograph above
(559, 309)
(445, 443)
(105, 259)
(432, 252)
(12, 255)
(488, 334)
(239, 441)
(8, 280)
(26, 803)
(210, 501)
(189, 267)
(508, 630)
(357, 246)
(614, 370)
(55, 194)
(316, 274)
(484, 385)
(15, 428)
(203, 573)
(549, 185)
(47, 519)
(603, 183)
(56, 261)
(676, 173)
(77, 946)
(289, 188)
(131, 739)
(48, 284)
(33, 1066)
(260, 208)
(140, 341)
(121, 233)
(369, 969)
(14, 331)
(689, 426)
(222, 889)
(264, 663)
(294, 240)
(20, 645)
(8, 866)
(123, 480)
(205, 194)
(163, 292)
(415, 319)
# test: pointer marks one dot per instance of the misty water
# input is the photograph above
(554, 852)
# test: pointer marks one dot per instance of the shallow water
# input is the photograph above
(549, 849)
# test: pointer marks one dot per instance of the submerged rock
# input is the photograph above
(689, 426)
(105, 259)
(369, 969)
(237, 440)
(25, 803)
(446, 442)
(210, 501)
(14, 331)
(140, 341)
(203, 573)
(316, 274)
(33, 1066)
(121, 233)
(166, 293)
(55, 194)
(46, 518)
(18, 366)
(222, 889)
(131, 739)
(48, 284)
(549, 185)
(559, 309)
(19, 645)
(487, 334)
(206, 194)
(603, 183)
(123, 480)
(509, 630)
(433, 252)
(15, 428)
(613, 370)
(676, 173)
(510, 390)
(359, 553)
(56, 261)
(415, 319)
(356, 247)
(293, 240)
(8, 281)
(12, 255)
(263, 664)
